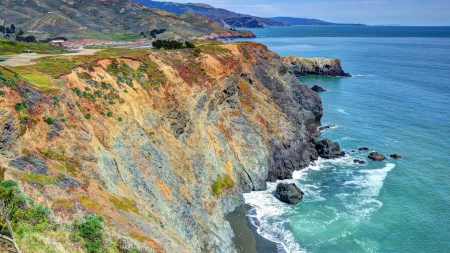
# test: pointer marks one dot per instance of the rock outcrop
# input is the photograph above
(161, 143)
(375, 156)
(288, 193)
(328, 149)
(395, 156)
(9, 131)
(317, 66)
(318, 89)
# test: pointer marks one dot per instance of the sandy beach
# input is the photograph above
(246, 239)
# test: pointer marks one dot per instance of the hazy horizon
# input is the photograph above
(370, 12)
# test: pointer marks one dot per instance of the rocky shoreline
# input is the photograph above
(300, 66)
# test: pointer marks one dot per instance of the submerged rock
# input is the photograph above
(396, 156)
(359, 161)
(376, 156)
(329, 149)
(318, 88)
(363, 149)
(288, 193)
(325, 127)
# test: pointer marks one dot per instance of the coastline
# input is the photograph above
(246, 237)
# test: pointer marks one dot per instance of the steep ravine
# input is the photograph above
(162, 129)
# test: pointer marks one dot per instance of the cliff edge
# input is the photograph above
(161, 143)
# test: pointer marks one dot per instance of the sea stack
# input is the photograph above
(288, 193)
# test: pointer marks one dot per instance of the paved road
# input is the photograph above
(25, 59)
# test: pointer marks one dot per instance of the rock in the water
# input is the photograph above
(363, 149)
(325, 127)
(329, 149)
(376, 156)
(318, 66)
(318, 88)
(359, 161)
(288, 193)
(396, 156)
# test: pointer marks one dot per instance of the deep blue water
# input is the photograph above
(397, 102)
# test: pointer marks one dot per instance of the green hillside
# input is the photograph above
(97, 19)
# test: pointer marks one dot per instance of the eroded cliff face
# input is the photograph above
(147, 140)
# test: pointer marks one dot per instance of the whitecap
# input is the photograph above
(340, 110)
(268, 218)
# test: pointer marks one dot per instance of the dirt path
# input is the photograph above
(25, 59)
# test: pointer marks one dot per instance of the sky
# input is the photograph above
(371, 12)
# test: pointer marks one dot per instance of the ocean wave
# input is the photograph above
(338, 194)
(340, 110)
(268, 218)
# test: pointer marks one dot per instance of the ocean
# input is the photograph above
(398, 101)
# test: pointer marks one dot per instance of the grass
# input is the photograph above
(31, 74)
(124, 204)
(38, 179)
(9, 47)
(126, 36)
(221, 184)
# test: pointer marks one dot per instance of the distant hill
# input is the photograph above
(307, 21)
(223, 17)
(100, 19)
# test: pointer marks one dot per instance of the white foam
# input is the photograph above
(358, 201)
(340, 110)
(269, 212)
(356, 75)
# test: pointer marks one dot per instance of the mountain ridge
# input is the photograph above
(107, 20)
(310, 21)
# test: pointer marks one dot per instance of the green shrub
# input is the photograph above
(87, 116)
(20, 106)
(2, 93)
(91, 230)
(189, 44)
(9, 184)
(109, 114)
(120, 119)
(221, 184)
(49, 121)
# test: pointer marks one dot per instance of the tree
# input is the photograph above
(8, 30)
(189, 44)
(4, 216)
(13, 28)
(2, 29)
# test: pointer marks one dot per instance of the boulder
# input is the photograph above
(318, 88)
(376, 156)
(288, 193)
(396, 156)
(328, 149)
(363, 149)
(325, 127)
(359, 161)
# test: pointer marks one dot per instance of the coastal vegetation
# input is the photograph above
(9, 47)
(172, 44)
(221, 184)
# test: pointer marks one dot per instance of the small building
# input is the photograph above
(56, 42)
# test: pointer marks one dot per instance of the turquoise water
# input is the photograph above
(397, 102)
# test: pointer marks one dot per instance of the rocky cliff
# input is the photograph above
(318, 66)
(161, 143)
